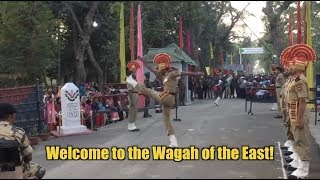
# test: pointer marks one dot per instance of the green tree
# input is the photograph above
(27, 34)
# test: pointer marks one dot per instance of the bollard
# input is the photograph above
(91, 120)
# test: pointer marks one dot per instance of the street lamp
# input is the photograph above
(274, 58)
(95, 24)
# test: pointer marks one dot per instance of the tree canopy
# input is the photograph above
(56, 39)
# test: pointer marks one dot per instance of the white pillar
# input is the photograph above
(70, 107)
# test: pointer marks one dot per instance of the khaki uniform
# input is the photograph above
(279, 83)
(285, 108)
(298, 88)
(9, 134)
(167, 97)
(133, 103)
(158, 86)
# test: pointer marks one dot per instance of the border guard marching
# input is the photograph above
(170, 77)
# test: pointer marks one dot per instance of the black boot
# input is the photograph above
(278, 116)
(290, 168)
(147, 115)
(288, 153)
(289, 160)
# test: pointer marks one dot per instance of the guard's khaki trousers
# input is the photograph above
(168, 102)
(133, 107)
(302, 140)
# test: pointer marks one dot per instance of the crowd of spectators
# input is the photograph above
(229, 86)
(97, 107)
(107, 105)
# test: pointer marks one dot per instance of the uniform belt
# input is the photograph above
(278, 86)
(172, 93)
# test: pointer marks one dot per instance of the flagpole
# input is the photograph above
(310, 73)
(140, 71)
(122, 48)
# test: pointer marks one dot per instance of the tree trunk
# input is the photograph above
(81, 74)
(79, 70)
(276, 37)
(196, 54)
(43, 79)
(84, 42)
(105, 74)
(96, 66)
(275, 27)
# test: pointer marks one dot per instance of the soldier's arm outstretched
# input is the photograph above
(152, 69)
(183, 73)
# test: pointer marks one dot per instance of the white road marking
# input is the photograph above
(283, 170)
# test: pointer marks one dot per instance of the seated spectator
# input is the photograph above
(82, 90)
(102, 104)
(114, 115)
(122, 113)
(261, 94)
(95, 111)
(88, 115)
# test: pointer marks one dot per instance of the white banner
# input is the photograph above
(257, 50)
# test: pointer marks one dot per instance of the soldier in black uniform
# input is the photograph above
(147, 83)
(158, 86)
(182, 92)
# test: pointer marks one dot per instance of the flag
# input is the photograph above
(211, 52)
(208, 70)
(180, 33)
(140, 71)
(189, 43)
(131, 43)
(299, 24)
(122, 55)
(290, 31)
(308, 20)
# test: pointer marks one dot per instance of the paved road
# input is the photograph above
(203, 125)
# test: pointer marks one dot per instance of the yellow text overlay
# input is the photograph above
(161, 153)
